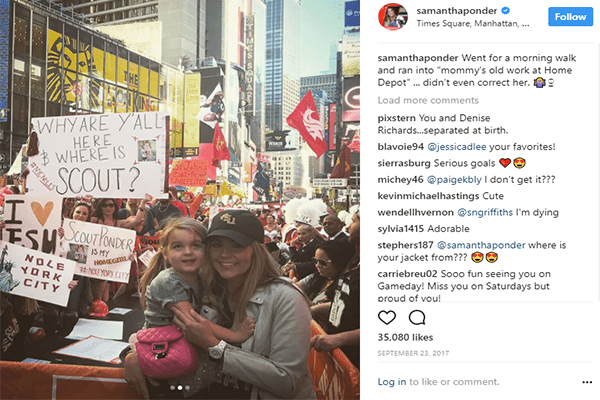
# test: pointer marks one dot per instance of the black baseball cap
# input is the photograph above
(241, 226)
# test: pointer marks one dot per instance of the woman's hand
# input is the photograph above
(135, 377)
(71, 285)
(61, 232)
(196, 328)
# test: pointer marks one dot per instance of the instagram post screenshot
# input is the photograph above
(183, 193)
(180, 199)
(480, 151)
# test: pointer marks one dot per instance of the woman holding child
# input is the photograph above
(241, 280)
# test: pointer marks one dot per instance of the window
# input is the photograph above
(21, 35)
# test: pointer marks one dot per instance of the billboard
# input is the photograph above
(212, 106)
(249, 109)
(281, 140)
(350, 49)
(332, 125)
(351, 99)
(92, 79)
(352, 13)
(4, 40)
(191, 134)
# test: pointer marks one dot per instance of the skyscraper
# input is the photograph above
(282, 57)
(183, 22)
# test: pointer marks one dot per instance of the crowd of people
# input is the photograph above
(242, 285)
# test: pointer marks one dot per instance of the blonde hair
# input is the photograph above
(159, 261)
(128, 206)
(262, 270)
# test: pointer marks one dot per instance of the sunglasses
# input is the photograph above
(107, 205)
(320, 261)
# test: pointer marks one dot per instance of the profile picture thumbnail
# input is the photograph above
(77, 253)
(393, 16)
(147, 150)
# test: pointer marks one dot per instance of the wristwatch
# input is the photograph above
(216, 352)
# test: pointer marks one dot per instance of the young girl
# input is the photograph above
(171, 281)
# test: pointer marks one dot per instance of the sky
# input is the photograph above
(322, 26)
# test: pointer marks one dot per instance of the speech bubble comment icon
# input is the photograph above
(417, 317)
(387, 316)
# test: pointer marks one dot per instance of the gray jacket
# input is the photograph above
(275, 359)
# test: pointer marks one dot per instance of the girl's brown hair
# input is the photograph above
(159, 261)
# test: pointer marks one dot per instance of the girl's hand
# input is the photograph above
(61, 232)
(87, 198)
(245, 329)
(72, 285)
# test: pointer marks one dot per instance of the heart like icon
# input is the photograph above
(505, 162)
(42, 213)
(387, 316)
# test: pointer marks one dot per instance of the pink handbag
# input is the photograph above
(164, 353)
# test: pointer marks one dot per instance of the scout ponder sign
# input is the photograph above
(105, 155)
(100, 251)
(34, 274)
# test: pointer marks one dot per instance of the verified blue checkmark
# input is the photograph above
(505, 10)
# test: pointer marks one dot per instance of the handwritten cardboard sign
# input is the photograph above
(99, 251)
(191, 173)
(105, 155)
(32, 222)
(34, 274)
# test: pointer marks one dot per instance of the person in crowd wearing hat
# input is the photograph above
(185, 212)
(242, 280)
(334, 227)
(163, 210)
(289, 231)
(301, 261)
(343, 313)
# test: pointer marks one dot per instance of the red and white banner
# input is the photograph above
(305, 119)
